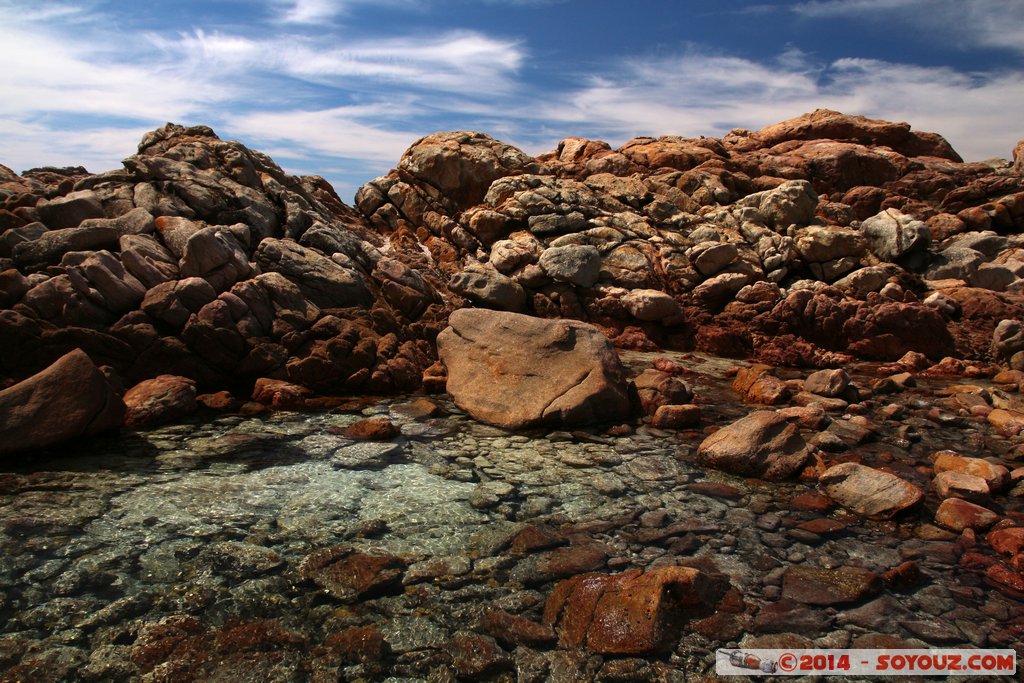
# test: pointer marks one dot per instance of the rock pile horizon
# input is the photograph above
(811, 242)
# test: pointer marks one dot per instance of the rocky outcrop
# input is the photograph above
(814, 241)
(71, 398)
(515, 371)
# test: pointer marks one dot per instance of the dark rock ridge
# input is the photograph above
(809, 242)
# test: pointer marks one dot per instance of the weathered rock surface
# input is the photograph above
(867, 491)
(630, 613)
(763, 444)
(159, 400)
(70, 398)
(812, 242)
(514, 371)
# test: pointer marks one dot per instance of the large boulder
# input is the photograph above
(70, 398)
(462, 165)
(762, 444)
(515, 371)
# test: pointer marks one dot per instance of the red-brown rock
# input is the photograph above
(159, 400)
(996, 477)
(474, 655)
(280, 395)
(957, 514)
(630, 613)
(358, 644)
(676, 416)
(70, 398)
(762, 444)
(513, 629)
(817, 586)
(514, 371)
(350, 575)
(1007, 541)
(372, 429)
(867, 491)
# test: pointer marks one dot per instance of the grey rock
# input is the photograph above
(894, 234)
(576, 264)
(320, 279)
(486, 286)
(791, 203)
(70, 210)
(365, 455)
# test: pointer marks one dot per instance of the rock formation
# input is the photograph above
(810, 242)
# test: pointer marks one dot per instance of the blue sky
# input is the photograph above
(341, 87)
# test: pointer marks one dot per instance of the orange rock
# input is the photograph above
(159, 400)
(1009, 422)
(957, 514)
(676, 416)
(1007, 541)
(954, 484)
(372, 429)
(279, 394)
(630, 613)
(996, 476)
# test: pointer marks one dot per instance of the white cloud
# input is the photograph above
(30, 145)
(699, 94)
(340, 131)
(315, 12)
(965, 23)
(457, 61)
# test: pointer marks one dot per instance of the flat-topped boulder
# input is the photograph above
(515, 371)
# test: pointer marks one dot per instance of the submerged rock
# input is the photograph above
(515, 371)
(634, 612)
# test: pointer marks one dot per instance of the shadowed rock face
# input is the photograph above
(844, 236)
(515, 371)
(70, 398)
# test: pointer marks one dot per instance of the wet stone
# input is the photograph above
(437, 568)
(367, 455)
(787, 615)
(558, 563)
(349, 575)
(475, 655)
(241, 560)
(817, 586)
(512, 629)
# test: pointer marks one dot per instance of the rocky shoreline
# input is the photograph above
(848, 479)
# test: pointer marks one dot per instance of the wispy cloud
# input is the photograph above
(701, 94)
(454, 61)
(318, 11)
(963, 23)
(78, 88)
